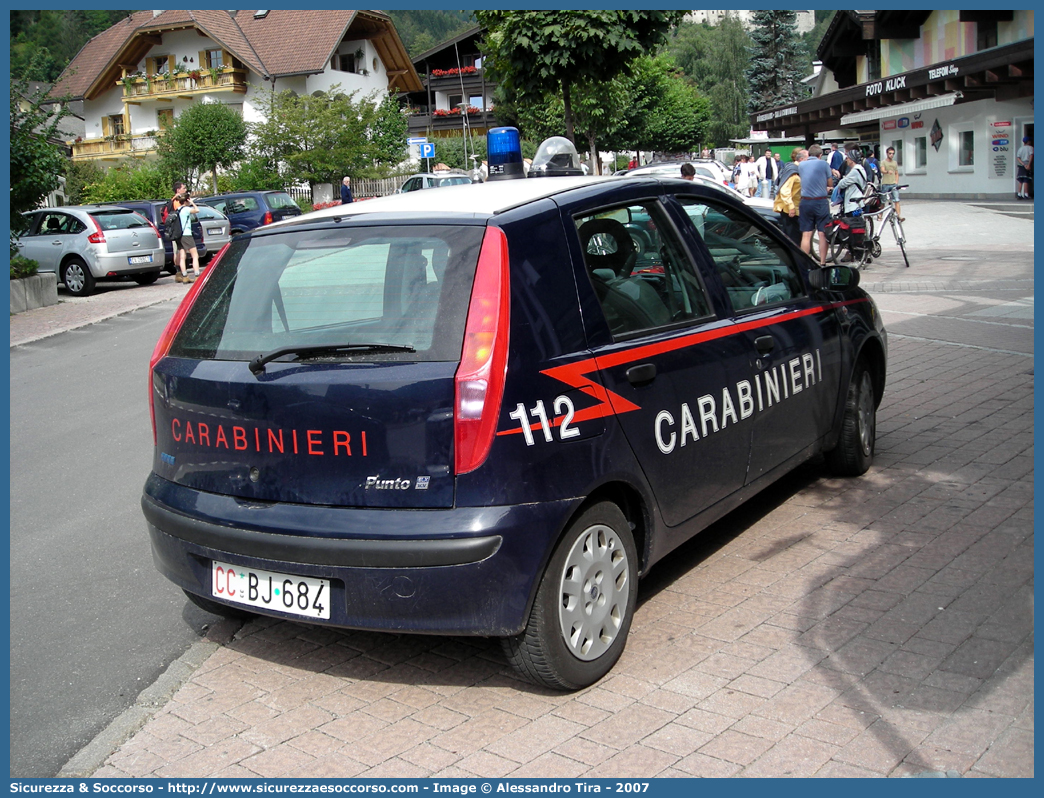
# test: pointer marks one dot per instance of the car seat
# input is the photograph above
(629, 303)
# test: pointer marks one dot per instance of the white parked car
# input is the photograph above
(706, 175)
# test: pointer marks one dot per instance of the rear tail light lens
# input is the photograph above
(479, 382)
(97, 237)
(268, 218)
(171, 330)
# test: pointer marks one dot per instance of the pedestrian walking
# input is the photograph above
(836, 159)
(890, 180)
(346, 190)
(814, 211)
(185, 207)
(749, 177)
(767, 174)
(788, 198)
(1024, 159)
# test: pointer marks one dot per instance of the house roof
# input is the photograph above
(279, 43)
(459, 38)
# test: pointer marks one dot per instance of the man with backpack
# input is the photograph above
(177, 229)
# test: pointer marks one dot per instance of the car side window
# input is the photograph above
(755, 269)
(639, 270)
(54, 223)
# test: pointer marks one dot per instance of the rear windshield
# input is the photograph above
(278, 201)
(209, 213)
(398, 286)
(119, 220)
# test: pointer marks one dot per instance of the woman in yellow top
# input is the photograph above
(788, 197)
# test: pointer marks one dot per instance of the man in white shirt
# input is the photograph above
(767, 173)
(1024, 159)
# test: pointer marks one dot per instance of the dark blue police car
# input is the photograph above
(485, 411)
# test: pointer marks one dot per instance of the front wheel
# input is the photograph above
(900, 238)
(582, 613)
(855, 445)
(77, 277)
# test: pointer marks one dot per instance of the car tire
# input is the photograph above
(146, 279)
(77, 277)
(854, 451)
(582, 613)
(221, 610)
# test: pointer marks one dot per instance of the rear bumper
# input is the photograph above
(455, 571)
(102, 265)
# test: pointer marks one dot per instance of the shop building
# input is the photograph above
(952, 91)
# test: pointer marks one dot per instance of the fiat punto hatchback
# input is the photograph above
(485, 411)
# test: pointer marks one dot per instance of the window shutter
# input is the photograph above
(105, 126)
(202, 60)
(170, 64)
(226, 58)
(150, 66)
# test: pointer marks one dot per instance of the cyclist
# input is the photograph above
(890, 180)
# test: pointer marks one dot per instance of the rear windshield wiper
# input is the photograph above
(257, 365)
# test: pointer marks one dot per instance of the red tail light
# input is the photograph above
(171, 330)
(268, 218)
(97, 237)
(483, 363)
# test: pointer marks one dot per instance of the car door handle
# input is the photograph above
(641, 375)
(764, 344)
(57, 242)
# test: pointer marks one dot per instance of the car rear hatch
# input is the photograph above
(126, 231)
(281, 205)
(317, 366)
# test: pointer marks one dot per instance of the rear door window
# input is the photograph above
(640, 273)
(394, 286)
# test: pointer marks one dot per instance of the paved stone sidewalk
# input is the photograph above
(873, 627)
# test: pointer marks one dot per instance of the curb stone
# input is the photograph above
(153, 698)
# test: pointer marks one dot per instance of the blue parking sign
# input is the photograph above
(427, 149)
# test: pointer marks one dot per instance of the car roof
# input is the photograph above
(83, 208)
(478, 199)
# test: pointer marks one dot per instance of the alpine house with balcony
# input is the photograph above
(140, 74)
(456, 98)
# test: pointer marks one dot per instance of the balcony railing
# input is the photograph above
(420, 121)
(164, 86)
(115, 146)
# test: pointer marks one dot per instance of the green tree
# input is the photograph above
(130, 181)
(36, 161)
(716, 59)
(666, 112)
(777, 60)
(79, 177)
(204, 137)
(532, 53)
(320, 137)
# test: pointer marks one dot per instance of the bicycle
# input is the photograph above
(886, 214)
(839, 241)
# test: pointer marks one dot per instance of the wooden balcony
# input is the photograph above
(451, 124)
(114, 147)
(166, 87)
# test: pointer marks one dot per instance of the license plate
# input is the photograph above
(290, 593)
(140, 259)
(214, 231)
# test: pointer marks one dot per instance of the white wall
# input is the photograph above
(941, 175)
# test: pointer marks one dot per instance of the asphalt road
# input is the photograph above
(91, 623)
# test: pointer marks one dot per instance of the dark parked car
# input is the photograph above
(84, 244)
(482, 411)
(249, 209)
(153, 211)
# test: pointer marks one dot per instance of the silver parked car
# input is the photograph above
(217, 230)
(86, 243)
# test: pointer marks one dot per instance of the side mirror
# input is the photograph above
(833, 278)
